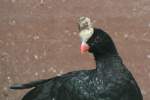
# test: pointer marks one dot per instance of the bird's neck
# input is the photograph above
(107, 61)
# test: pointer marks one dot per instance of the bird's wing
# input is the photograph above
(74, 87)
(40, 92)
(50, 89)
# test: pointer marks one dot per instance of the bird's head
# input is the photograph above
(94, 40)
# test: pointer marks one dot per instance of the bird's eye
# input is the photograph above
(94, 40)
(97, 39)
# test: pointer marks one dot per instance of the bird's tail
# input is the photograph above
(28, 85)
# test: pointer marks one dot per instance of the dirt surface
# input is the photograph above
(39, 39)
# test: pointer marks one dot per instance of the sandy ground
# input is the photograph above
(39, 39)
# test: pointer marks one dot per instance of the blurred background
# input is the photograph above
(39, 39)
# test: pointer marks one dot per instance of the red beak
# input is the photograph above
(84, 47)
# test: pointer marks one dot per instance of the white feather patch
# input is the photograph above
(86, 34)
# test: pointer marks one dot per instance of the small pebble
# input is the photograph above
(148, 56)
(12, 22)
(66, 31)
(126, 36)
(148, 25)
(36, 57)
(36, 37)
(42, 2)
(74, 33)
(8, 78)
(5, 88)
(54, 70)
(13, 1)
(60, 73)
(36, 74)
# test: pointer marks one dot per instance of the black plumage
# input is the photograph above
(111, 80)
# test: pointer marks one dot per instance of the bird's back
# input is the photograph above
(88, 85)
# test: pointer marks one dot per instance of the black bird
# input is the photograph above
(111, 80)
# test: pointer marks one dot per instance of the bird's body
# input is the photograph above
(110, 80)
